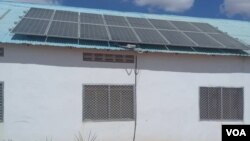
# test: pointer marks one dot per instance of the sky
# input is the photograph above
(226, 9)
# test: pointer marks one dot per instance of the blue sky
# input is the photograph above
(227, 9)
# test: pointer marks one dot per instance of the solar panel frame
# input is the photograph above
(90, 18)
(28, 26)
(203, 40)
(204, 27)
(122, 34)
(177, 38)
(38, 13)
(93, 32)
(116, 20)
(228, 41)
(63, 30)
(150, 36)
(66, 16)
(184, 26)
(162, 24)
(139, 22)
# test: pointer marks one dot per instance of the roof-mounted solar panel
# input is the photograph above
(93, 32)
(162, 24)
(65, 16)
(206, 27)
(63, 30)
(110, 28)
(184, 26)
(204, 40)
(31, 27)
(89, 18)
(228, 42)
(139, 22)
(150, 36)
(177, 38)
(38, 13)
(116, 20)
(122, 34)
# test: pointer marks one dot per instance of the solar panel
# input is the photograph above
(91, 18)
(31, 27)
(38, 13)
(162, 24)
(203, 40)
(94, 32)
(206, 27)
(150, 36)
(122, 34)
(115, 20)
(97, 27)
(63, 29)
(66, 16)
(177, 38)
(228, 41)
(184, 26)
(139, 22)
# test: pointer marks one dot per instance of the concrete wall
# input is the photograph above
(168, 95)
(43, 95)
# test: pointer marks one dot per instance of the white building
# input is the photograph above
(56, 90)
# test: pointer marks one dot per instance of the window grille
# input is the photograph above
(1, 102)
(115, 58)
(1, 52)
(108, 102)
(217, 103)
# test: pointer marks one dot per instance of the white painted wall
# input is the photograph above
(43, 94)
(168, 95)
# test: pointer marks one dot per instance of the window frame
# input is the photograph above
(2, 83)
(222, 119)
(110, 119)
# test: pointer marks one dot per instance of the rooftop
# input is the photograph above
(11, 13)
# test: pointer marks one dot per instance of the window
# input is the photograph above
(1, 52)
(108, 102)
(1, 102)
(115, 58)
(217, 103)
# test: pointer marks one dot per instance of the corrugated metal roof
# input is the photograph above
(10, 13)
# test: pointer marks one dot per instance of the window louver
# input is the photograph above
(108, 102)
(1, 102)
(218, 103)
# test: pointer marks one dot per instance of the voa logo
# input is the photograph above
(236, 132)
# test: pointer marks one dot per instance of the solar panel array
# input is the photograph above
(97, 27)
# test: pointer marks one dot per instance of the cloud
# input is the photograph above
(40, 1)
(236, 7)
(167, 5)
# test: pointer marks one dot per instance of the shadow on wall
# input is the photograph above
(194, 63)
(72, 57)
(55, 56)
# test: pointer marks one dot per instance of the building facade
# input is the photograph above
(59, 93)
